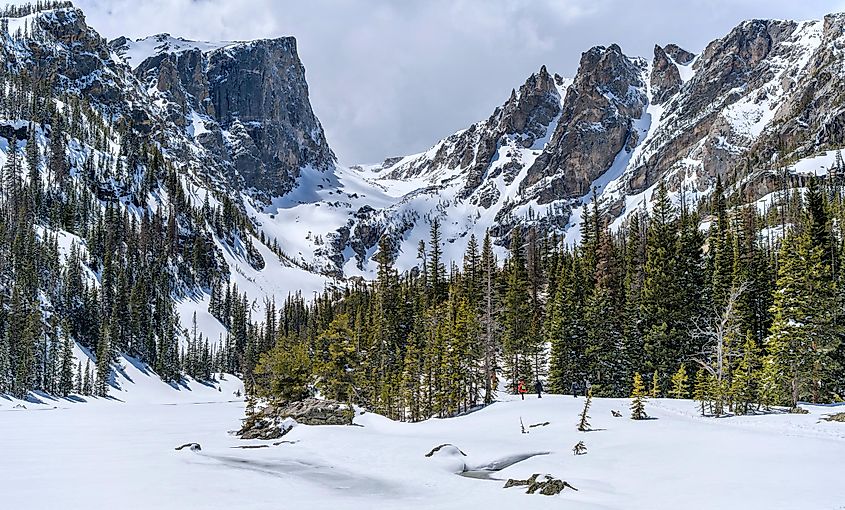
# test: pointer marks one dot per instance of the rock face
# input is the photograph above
(274, 421)
(246, 103)
(665, 77)
(524, 117)
(596, 122)
(712, 120)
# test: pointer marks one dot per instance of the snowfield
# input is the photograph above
(108, 454)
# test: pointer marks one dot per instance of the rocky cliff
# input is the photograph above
(246, 103)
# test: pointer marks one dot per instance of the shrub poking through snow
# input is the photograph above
(840, 417)
(522, 426)
(584, 422)
(580, 448)
(638, 397)
(615, 413)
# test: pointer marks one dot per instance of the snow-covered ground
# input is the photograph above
(121, 455)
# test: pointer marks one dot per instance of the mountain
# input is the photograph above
(170, 181)
(245, 103)
(754, 103)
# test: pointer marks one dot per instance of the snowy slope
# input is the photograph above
(678, 460)
(135, 52)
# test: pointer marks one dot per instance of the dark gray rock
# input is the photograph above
(256, 95)
(275, 420)
(678, 54)
(665, 78)
(596, 123)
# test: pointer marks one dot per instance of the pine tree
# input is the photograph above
(65, 386)
(679, 383)
(744, 385)
(284, 372)
(638, 398)
(655, 386)
(516, 312)
(584, 421)
(338, 373)
(701, 389)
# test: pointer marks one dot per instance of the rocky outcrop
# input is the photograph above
(678, 54)
(246, 103)
(665, 77)
(523, 120)
(275, 420)
(711, 123)
(596, 123)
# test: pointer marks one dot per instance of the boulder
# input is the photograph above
(276, 420)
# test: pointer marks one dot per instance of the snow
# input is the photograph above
(141, 49)
(109, 453)
(197, 125)
(752, 113)
(818, 165)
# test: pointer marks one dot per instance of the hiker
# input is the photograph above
(520, 388)
(587, 386)
(538, 386)
(574, 389)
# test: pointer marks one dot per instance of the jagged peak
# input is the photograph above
(678, 54)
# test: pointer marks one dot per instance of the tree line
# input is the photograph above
(729, 314)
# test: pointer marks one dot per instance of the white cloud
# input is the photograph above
(391, 77)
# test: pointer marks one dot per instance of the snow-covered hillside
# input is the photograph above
(106, 454)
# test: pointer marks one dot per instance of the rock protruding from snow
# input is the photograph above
(275, 420)
(525, 117)
(548, 486)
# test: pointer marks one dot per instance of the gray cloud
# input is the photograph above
(391, 77)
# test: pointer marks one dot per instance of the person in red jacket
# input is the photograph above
(520, 388)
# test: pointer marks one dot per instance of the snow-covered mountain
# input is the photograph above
(760, 100)
(235, 121)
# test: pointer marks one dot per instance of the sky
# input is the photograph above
(392, 77)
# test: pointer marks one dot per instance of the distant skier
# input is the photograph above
(520, 388)
(574, 389)
(538, 386)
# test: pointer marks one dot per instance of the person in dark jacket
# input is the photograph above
(574, 389)
(538, 386)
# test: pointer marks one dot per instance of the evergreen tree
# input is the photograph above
(638, 398)
(679, 383)
(516, 311)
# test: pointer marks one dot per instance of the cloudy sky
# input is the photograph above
(391, 77)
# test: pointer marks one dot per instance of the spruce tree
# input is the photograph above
(516, 313)
(679, 383)
(701, 389)
(65, 386)
(584, 421)
(638, 398)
